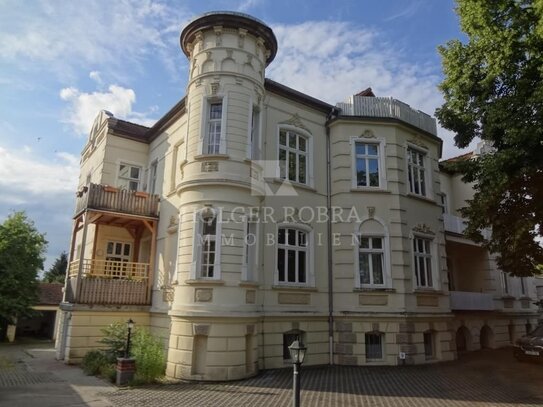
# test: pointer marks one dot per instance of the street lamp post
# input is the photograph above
(297, 354)
(130, 325)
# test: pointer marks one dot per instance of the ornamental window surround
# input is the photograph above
(294, 156)
(416, 172)
(368, 163)
(293, 262)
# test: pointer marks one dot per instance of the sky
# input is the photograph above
(61, 62)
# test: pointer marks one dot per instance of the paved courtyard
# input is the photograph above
(30, 377)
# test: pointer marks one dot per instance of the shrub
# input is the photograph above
(149, 355)
(115, 340)
(93, 362)
(109, 372)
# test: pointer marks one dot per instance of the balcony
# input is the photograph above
(109, 199)
(387, 107)
(106, 282)
(457, 225)
(469, 301)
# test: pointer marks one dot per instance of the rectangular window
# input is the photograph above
(117, 253)
(428, 345)
(505, 283)
(292, 256)
(371, 261)
(416, 172)
(422, 257)
(209, 241)
(443, 204)
(367, 164)
(153, 177)
(250, 250)
(129, 177)
(255, 134)
(214, 122)
(374, 346)
(293, 158)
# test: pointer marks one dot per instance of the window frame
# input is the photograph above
(245, 275)
(254, 128)
(370, 251)
(309, 275)
(432, 255)
(131, 164)
(382, 342)
(381, 165)
(384, 235)
(198, 243)
(432, 343)
(426, 167)
(207, 101)
(308, 154)
(153, 177)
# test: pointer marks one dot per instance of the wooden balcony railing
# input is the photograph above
(107, 198)
(106, 282)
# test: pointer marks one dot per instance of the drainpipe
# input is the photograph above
(329, 240)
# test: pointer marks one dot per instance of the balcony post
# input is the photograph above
(81, 255)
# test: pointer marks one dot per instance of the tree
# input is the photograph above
(22, 250)
(57, 272)
(493, 89)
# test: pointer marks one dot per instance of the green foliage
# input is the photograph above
(22, 250)
(57, 272)
(115, 340)
(150, 358)
(108, 371)
(493, 89)
(94, 361)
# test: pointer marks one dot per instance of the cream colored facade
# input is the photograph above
(349, 286)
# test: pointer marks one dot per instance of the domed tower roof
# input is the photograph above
(230, 19)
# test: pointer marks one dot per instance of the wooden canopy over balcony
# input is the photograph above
(110, 199)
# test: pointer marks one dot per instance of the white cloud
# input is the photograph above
(25, 176)
(66, 37)
(339, 59)
(247, 5)
(95, 76)
(83, 107)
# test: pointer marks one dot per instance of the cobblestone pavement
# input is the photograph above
(485, 378)
(30, 376)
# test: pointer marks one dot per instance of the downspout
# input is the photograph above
(329, 240)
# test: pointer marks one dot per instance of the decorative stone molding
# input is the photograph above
(200, 329)
(229, 53)
(203, 294)
(199, 39)
(368, 134)
(210, 166)
(371, 212)
(250, 329)
(293, 298)
(241, 37)
(417, 140)
(295, 121)
(423, 228)
(218, 35)
(209, 56)
(174, 221)
(215, 88)
(364, 299)
(427, 301)
(250, 297)
(295, 326)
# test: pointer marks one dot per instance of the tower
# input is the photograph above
(214, 311)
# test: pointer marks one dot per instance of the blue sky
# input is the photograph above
(63, 61)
